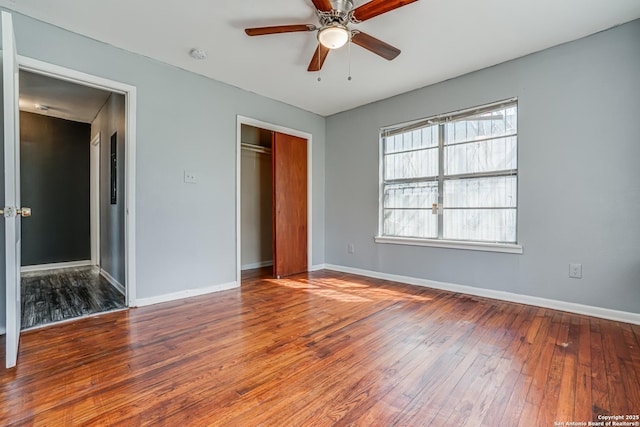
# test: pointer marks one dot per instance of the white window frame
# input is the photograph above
(515, 248)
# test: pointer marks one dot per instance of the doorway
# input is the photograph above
(273, 215)
(13, 211)
(73, 244)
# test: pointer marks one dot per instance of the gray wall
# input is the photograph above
(54, 180)
(111, 120)
(185, 233)
(579, 180)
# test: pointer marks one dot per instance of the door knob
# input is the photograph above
(25, 212)
(10, 212)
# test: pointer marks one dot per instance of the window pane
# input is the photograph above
(407, 210)
(491, 192)
(414, 164)
(483, 156)
(421, 195)
(410, 223)
(486, 125)
(484, 225)
(412, 140)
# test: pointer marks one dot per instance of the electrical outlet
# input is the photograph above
(575, 271)
(190, 177)
(351, 248)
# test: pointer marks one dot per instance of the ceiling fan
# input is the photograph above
(333, 32)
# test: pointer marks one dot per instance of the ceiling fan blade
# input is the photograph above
(378, 7)
(278, 29)
(322, 5)
(376, 46)
(318, 58)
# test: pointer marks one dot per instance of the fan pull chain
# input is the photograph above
(319, 69)
(349, 53)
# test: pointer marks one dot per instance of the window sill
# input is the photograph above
(452, 244)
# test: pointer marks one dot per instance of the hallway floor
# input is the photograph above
(55, 295)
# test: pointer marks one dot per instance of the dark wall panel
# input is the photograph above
(54, 174)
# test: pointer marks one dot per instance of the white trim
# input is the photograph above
(604, 313)
(73, 76)
(257, 265)
(186, 294)
(242, 120)
(130, 93)
(55, 266)
(94, 190)
(451, 244)
(130, 195)
(109, 278)
(318, 267)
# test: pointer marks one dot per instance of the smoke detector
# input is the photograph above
(198, 54)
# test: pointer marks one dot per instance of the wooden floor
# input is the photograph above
(325, 349)
(56, 295)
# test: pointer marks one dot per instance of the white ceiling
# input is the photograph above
(439, 39)
(62, 99)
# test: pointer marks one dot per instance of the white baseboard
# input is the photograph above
(256, 265)
(185, 294)
(55, 266)
(109, 278)
(318, 267)
(604, 313)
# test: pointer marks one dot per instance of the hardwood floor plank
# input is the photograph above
(583, 391)
(514, 408)
(622, 379)
(599, 385)
(538, 365)
(568, 386)
(551, 396)
(323, 349)
(496, 410)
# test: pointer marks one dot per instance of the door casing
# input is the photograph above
(242, 120)
(130, 94)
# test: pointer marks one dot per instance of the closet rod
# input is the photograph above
(255, 148)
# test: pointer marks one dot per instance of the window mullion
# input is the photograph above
(441, 130)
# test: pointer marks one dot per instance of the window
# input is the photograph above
(452, 177)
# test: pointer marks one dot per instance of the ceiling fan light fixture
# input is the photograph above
(334, 36)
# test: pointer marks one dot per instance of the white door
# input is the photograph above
(12, 212)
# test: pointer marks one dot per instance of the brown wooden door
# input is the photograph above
(289, 204)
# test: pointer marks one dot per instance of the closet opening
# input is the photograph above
(273, 201)
(256, 198)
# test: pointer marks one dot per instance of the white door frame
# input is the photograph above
(242, 120)
(94, 207)
(129, 92)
